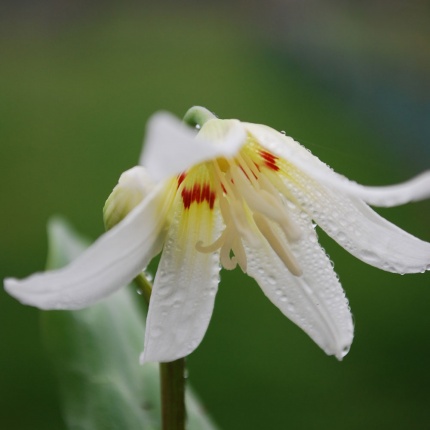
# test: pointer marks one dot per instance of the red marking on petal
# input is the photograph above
(247, 176)
(198, 194)
(269, 160)
(181, 178)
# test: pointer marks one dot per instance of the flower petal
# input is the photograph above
(285, 147)
(315, 301)
(171, 147)
(185, 286)
(359, 229)
(110, 263)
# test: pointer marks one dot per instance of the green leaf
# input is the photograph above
(96, 354)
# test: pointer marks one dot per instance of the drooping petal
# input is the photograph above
(171, 147)
(315, 301)
(185, 285)
(285, 147)
(359, 229)
(110, 263)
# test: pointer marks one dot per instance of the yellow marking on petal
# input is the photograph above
(246, 192)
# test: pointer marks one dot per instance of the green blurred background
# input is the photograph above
(348, 79)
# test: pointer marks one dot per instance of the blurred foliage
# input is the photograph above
(74, 100)
(95, 353)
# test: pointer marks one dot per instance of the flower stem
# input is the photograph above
(172, 395)
(172, 378)
(144, 286)
(197, 116)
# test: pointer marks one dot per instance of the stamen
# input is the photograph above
(252, 165)
(218, 243)
(241, 223)
(239, 252)
(248, 202)
(283, 252)
(267, 204)
(227, 262)
(244, 164)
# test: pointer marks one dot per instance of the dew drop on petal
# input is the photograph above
(149, 276)
(271, 280)
(291, 308)
(341, 237)
(345, 350)
(156, 331)
(369, 257)
(177, 304)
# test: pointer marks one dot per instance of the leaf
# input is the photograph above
(96, 354)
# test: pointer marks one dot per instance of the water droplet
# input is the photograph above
(369, 257)
(156, 331)
(341, 237)
(283, 132)
(278, 291)
(283, 298)
(271, 279)
(291, 308)
(149, 276)
(345, 350)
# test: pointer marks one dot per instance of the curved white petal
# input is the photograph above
(359, 229)
(285, 147)
(110, 263)
(171, 147)
(132, 188)
(315, 301)
(185, 286)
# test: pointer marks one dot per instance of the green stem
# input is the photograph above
(172, 395)
(145, 287)
(197, 116)
(172, 378)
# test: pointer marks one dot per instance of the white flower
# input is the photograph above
(235, 194)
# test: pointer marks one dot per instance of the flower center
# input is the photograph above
(252, 210)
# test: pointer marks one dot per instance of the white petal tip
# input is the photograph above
(10, 284)
(343, 352)
(142, 359)
(149, 356)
